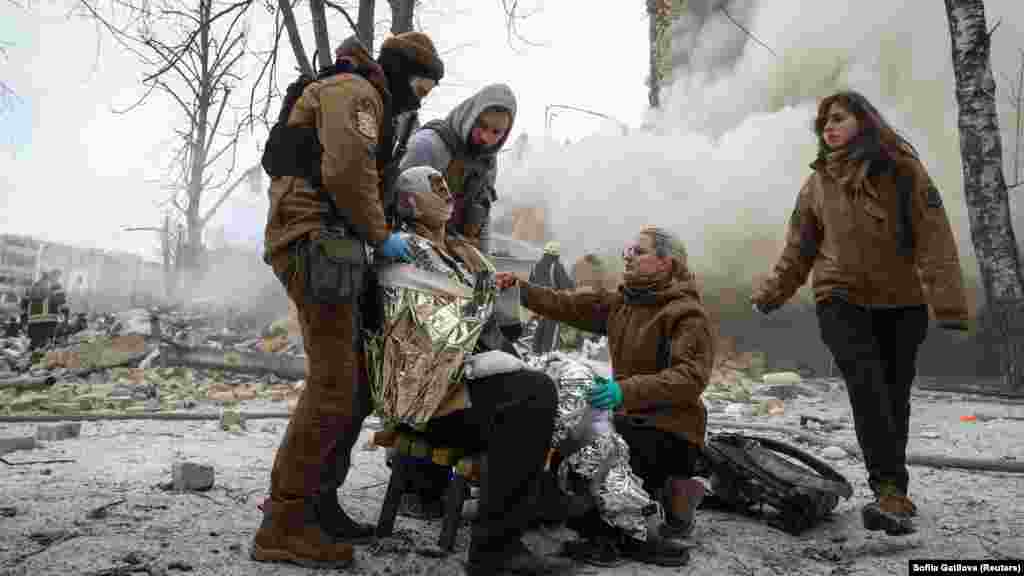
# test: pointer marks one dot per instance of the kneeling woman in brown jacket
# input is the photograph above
(870, 223)
(662, 352)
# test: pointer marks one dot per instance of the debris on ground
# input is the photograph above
(57, 432)
(153, 360)
(191, 477)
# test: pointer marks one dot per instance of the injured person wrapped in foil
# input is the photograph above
(433, 318)
(597, 454)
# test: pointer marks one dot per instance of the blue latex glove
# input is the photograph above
(396, 248)
(605, 394)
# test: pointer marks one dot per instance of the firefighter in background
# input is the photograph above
(549, 273)
(45, 305)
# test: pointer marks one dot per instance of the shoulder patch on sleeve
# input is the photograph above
(366, 120)
(934, 199)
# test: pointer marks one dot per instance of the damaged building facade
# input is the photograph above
(95, 280)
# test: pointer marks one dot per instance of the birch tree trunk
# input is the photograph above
(294, 38)
(365, 22)
(653, 81)
(401, 15)
(984, 186)
(325, 57)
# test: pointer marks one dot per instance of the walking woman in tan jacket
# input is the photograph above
(870, 224)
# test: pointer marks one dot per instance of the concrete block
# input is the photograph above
(12, 444)
(55, 432)
(192, 476)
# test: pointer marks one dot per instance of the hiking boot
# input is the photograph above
(908, 506)
(655, 551)
(517, 559)
(889, 513)
(335, 522)
(692, 492)
(288, 535)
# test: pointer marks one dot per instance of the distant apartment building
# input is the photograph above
(18, 262)
(94, 279)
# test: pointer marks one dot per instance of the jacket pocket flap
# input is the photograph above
(342, 250)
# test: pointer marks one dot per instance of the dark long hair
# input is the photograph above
(877, 140)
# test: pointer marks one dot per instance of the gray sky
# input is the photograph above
(73, 171)
(724, 165)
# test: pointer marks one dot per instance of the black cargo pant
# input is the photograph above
(512, 417)
(875, 350)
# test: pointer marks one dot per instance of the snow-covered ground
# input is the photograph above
(46, 526)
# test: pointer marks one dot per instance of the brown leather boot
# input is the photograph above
(288, 535)
(890, 512)
(680, 499)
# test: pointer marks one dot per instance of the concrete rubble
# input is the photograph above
(58, 432)
(193, 487)
(189, 476)
(153, 360)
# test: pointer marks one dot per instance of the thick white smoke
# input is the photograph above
(724, 159)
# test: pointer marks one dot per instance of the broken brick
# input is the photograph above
(57, 432)
(189, 476)
(12, 444)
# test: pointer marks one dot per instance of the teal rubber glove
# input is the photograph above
(605, 394)
(395, 248)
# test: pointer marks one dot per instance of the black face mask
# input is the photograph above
(399, 72)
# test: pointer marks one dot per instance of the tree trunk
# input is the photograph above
(653, 83)
(323, 40)
(401, 15)
(198, 153)
(985, 190)
(365, 22)
(293, 37)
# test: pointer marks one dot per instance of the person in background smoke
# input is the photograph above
(549, 273)
(45, 305)
(870, 223)
(661, 348)
(464, 147)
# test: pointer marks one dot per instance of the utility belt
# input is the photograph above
(332, 264)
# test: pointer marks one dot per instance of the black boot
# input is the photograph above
(655, 551)
(335, 522)
(515, 558)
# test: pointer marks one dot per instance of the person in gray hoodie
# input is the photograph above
(464, 147)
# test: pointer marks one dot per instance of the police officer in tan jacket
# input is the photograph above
(870, 224)
(319, 231)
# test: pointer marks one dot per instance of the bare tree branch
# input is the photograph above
(352, 23)
(224, 196)
(216, 122)
(512, 16)
(747, 32)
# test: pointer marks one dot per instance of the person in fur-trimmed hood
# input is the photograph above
(464, 146)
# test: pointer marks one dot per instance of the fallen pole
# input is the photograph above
(23, 383)
(926, 460)
(26, 383)
(165, 416)
(804, 435)
(288, 367)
